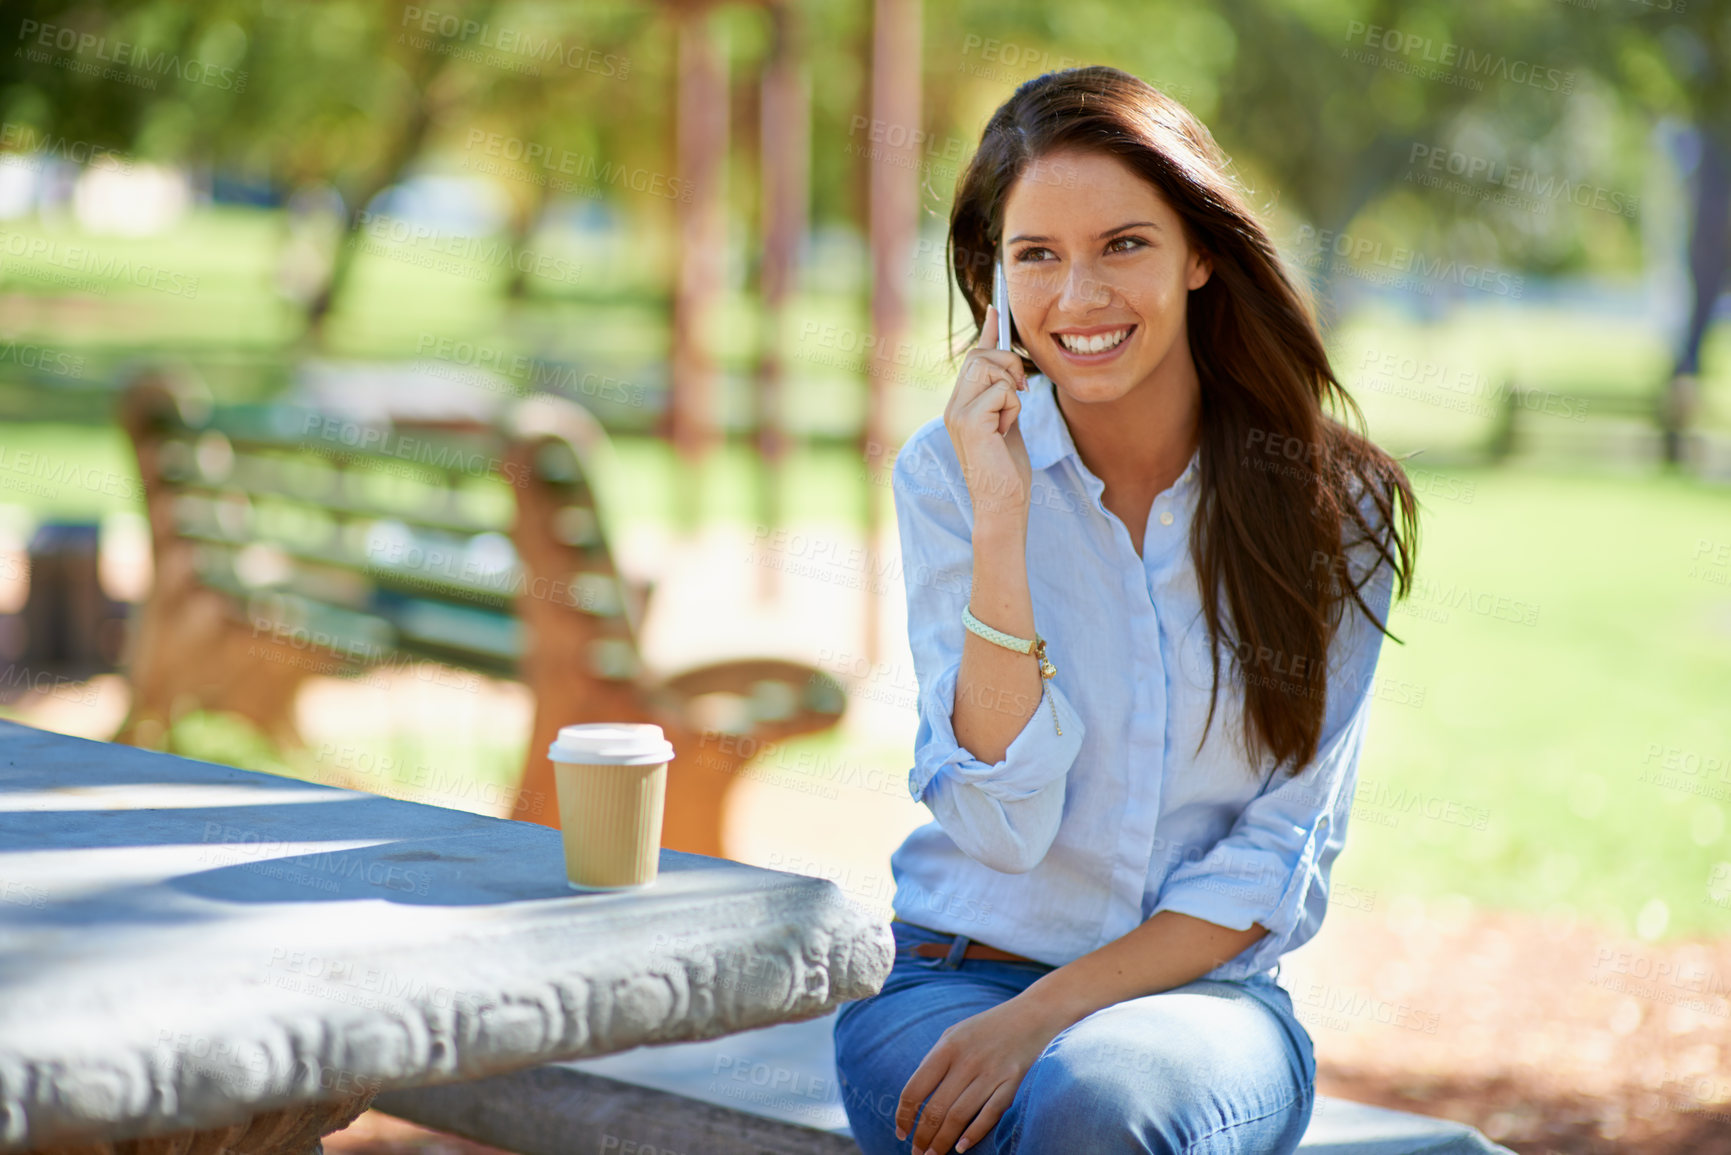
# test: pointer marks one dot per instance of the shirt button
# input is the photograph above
(1166, 517)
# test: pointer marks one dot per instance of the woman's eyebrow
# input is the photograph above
(1098, 236)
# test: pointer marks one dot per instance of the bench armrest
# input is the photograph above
(768, 699)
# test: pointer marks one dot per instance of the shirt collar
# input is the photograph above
(1046, 434)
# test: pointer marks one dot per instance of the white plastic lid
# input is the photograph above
(612, 744)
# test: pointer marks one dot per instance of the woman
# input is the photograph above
(1147, 573)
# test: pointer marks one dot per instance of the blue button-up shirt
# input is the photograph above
(1075, 838)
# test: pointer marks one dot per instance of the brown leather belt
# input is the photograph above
(975, 950)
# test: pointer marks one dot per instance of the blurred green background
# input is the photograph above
(274, 176)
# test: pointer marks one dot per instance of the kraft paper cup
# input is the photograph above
(612, 784)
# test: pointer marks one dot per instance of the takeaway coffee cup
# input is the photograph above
(612, 785)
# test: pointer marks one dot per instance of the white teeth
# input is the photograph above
(1098, 343)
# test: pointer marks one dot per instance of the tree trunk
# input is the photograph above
(405, 147)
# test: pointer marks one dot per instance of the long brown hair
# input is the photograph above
(1272, 539)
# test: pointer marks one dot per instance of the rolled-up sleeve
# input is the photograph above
(1003, 814)
(1273, 865)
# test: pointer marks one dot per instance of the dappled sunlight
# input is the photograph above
(160, 796)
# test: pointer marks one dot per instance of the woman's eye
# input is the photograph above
(1129, 243)
(1033, 254)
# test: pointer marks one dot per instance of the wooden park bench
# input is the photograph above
(1525, 410)
(290, 540)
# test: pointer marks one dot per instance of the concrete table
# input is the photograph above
(195, 958)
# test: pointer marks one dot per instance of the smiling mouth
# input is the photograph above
(1094, 343)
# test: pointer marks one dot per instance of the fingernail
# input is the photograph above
(961, 1145)
(901, 1133)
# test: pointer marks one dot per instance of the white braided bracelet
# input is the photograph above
(1035, 646)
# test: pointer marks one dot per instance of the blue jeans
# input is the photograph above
(1206, 1067)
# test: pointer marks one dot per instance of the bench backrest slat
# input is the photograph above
(382, 539)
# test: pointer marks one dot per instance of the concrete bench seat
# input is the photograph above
(771, 1091)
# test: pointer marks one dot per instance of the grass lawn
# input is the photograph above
(1554, 735)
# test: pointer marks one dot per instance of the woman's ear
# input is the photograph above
(1200, 268)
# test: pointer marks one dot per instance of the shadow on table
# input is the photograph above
(137, 836)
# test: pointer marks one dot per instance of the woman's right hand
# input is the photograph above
(981, 421)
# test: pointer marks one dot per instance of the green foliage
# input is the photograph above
(1320, 114)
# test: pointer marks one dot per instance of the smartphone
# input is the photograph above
(1001, 302)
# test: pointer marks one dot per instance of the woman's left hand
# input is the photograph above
(972, 1073)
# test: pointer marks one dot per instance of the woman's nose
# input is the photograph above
(1083, 287)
